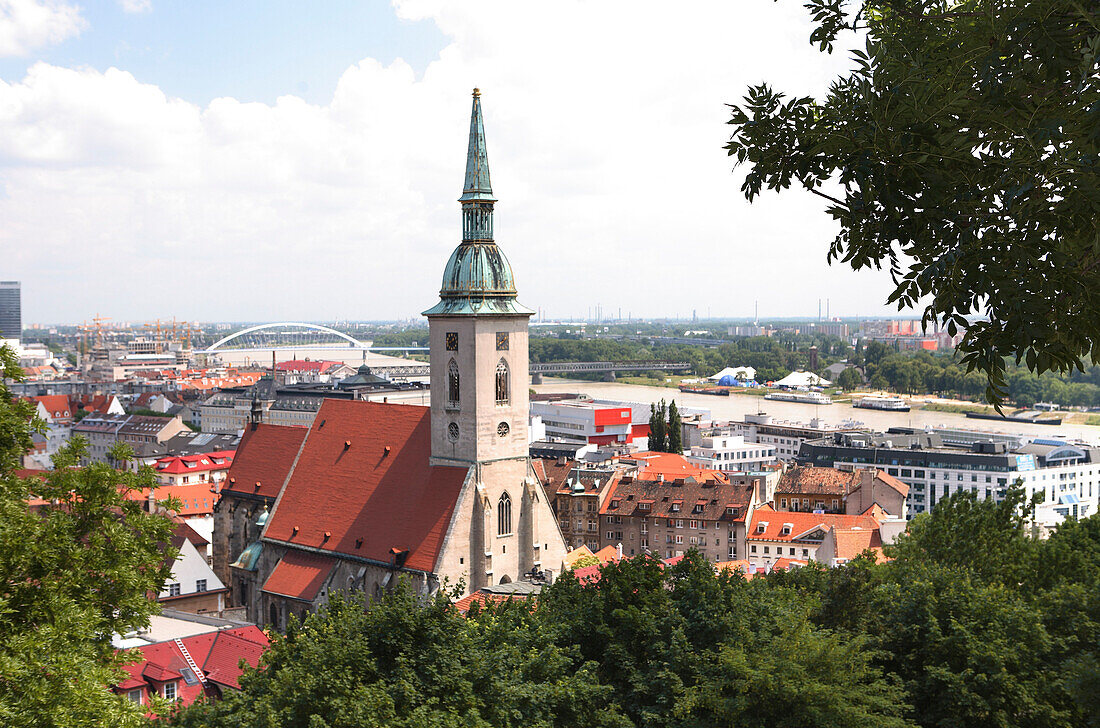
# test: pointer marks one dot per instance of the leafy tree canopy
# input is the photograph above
(72, 573)
(960, 151)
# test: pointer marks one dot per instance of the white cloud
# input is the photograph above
(29, 24)
(136, 6)
(605, 126)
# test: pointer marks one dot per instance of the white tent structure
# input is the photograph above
(801, 379)
(746, 374)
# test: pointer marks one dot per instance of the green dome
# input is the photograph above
(477, 279)
(478, 269)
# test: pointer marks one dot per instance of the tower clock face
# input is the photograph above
(502, 341)
(452, 431)
(503, 429)
(452, 341)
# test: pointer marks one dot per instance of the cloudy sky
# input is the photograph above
(271, 160)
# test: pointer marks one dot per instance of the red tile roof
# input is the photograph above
(307, 365)
(800, 523)
(463, 605)
(552, 472)
(100, 403)
(714, 499)
(174, 464)
(196, 498)
(183, 528)
(851, 542)
(216, 653)
(299, 575)
(607, 554)
(821, 481)
(671, 465)
(363, 485)
(57, 405)
(264, 456)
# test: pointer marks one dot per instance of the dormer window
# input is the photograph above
(761, 527)
(786, 529)
(675, 507)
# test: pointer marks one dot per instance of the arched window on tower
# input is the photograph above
(452, 384)
(503, 394)
(504, 515)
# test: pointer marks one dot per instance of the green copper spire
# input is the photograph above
(477, 185)
(478, 278)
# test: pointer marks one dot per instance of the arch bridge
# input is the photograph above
(352, 341)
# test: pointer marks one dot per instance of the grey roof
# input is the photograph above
(517, 588)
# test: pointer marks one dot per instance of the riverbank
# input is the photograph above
(736, 407)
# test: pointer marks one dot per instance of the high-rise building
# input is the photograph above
(11, 310)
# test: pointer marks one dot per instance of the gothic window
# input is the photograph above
(502, 382)
(273, 615)
(452, 384)
(504, 515)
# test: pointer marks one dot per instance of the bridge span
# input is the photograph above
(538, 369)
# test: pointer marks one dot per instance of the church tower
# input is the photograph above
(480, 402)
(478, 337)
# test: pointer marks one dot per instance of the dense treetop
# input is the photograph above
(961, 152)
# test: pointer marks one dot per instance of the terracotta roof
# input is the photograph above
(885, 478)
(264, 456)
(818, 481)
(184, 530)
(174, 464)
(304, 365)
(711, 500)
(299, 574)
(363, 485)
(98, 403)
(793, 525)
(196, 498)
(652, 465)
(851, 542)
(607, 554)
(463, 605)
(57, 405)
(552, 471)
(217, 653)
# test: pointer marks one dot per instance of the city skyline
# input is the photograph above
(327, 192)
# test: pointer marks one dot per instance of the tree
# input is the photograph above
(675, 429)
(405, 662)
(658, 427)
(849, 379)
(72, 573)
(960, 152)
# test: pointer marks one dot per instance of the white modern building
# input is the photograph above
(732, 453)
(1065, 475)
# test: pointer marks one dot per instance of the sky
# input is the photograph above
(276, 160)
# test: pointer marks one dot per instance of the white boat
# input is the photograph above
(882, 402)
(803, 397)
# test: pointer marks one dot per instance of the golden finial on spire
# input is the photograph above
(477, 92)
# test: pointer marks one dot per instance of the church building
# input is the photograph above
(371, 491)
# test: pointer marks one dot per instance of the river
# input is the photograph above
(735, 407)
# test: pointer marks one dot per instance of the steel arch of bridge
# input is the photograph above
(260, 327)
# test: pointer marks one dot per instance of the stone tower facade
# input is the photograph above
(479, 400)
